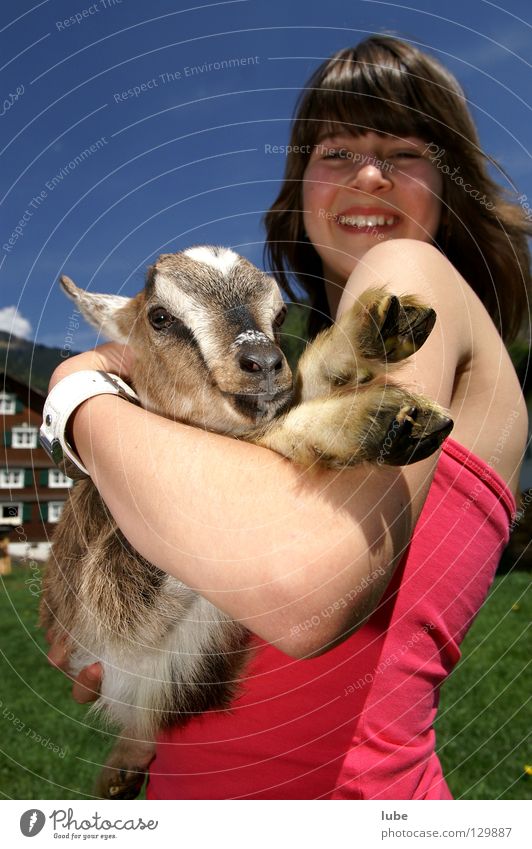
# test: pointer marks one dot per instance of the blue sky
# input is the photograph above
(183, 160)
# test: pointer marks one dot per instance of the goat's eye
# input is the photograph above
(160, 318)
(280, 317)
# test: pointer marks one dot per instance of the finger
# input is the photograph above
(116, 358)
(87, 685)
(58, 654)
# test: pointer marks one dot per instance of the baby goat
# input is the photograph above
(206, 333)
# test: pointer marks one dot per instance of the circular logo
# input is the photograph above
(32, 822)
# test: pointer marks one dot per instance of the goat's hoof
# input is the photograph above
(120, 783)
(400, 326)
(414, 435)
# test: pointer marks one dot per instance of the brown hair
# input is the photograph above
(388, 86)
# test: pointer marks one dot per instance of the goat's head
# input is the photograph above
(205, 331)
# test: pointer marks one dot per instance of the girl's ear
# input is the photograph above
(102, 311)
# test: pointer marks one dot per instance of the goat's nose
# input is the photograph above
(260, 359)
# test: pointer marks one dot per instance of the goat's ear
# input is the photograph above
(102, 311)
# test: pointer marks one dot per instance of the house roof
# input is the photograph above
(32, 397)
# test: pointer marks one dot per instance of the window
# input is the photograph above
(24, 437)
(10, 513)
(12, 478)
(55, 509)
(57, 479)
(8, 403)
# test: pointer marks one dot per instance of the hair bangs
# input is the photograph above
(357, 95)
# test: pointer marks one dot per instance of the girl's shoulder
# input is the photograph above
(464, 364)
(487, 404)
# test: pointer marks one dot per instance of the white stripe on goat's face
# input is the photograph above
(185, 307)
(255, 337)
(222, 259)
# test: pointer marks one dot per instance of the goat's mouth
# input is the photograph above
(261, 405)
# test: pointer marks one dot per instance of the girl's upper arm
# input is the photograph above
(390, 500)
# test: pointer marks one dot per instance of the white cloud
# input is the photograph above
(11, 321)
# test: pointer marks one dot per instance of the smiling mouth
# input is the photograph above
(367, 222)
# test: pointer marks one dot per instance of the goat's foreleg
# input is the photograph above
(378, 330)
(385, 424)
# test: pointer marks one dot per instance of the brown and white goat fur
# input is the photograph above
(206, 333)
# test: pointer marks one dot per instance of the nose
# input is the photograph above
(263, 358)
(370, 177)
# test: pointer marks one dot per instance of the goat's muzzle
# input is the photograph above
(265, 381)
(261, 360)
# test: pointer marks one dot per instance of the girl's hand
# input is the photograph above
(112, 357)
(87, 684)
(117, 359)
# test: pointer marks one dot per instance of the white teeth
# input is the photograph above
(366, 220)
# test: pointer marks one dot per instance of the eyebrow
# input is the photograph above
(333, 136)
(413, 140)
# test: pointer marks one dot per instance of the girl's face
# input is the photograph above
(359, 191)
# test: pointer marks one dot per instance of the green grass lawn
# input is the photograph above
(50, 751)
(483, 727)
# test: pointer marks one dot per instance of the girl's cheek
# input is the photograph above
(308, 195)
(316, 188)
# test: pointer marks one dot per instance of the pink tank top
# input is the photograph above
(357, 722)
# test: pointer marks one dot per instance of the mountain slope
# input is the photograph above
(28, 362)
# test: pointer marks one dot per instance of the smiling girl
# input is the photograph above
(358, 586)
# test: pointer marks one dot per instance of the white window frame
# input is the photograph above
(11, 520)
(8, 403)
(55, 508)
(58, 480)
(18, 432)
(12, 478)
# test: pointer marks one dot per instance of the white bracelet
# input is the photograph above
(66, 395)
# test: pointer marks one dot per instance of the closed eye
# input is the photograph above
(406, 154)
(341, 154)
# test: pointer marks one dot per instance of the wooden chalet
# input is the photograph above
(32, 490)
